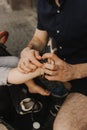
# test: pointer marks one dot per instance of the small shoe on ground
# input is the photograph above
(29, 105)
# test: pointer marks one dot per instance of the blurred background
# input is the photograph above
(19, 18)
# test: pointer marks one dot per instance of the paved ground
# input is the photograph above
(19, 24)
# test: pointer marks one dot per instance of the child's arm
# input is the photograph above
(16, 77)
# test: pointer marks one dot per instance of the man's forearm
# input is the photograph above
(36, 44)
(39, 40)
(81, 70)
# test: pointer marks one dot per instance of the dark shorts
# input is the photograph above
(79, 85)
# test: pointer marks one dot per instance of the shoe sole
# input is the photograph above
(58, 96)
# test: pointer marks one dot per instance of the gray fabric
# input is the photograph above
(8, 61)
(6, 64)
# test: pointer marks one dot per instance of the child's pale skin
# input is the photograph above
(16, 77)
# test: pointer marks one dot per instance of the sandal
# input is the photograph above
(29, 105)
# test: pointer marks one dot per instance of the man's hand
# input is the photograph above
(60, 70)
(29, 60)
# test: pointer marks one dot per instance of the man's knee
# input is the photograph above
(61, 123)
(68, 125)
(72, 115)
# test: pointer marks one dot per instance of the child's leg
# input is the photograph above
(8, 61)
(16, 77)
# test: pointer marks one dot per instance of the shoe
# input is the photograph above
(54, 110)
(22, 100)
(59, 91)
(56, 104)
(29, 105)
(48, 124)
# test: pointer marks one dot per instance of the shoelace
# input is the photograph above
(35, 123)
(54, 110)
(32, 113)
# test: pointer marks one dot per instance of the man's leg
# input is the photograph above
(73, 113)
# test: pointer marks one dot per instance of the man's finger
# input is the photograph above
(36, 62)
(38, 55)
(51, 56)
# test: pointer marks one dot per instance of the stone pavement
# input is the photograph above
(19, 24)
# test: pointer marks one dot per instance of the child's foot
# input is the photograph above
(34, 88)
(39, 90)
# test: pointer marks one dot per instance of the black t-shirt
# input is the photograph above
(67, 24)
